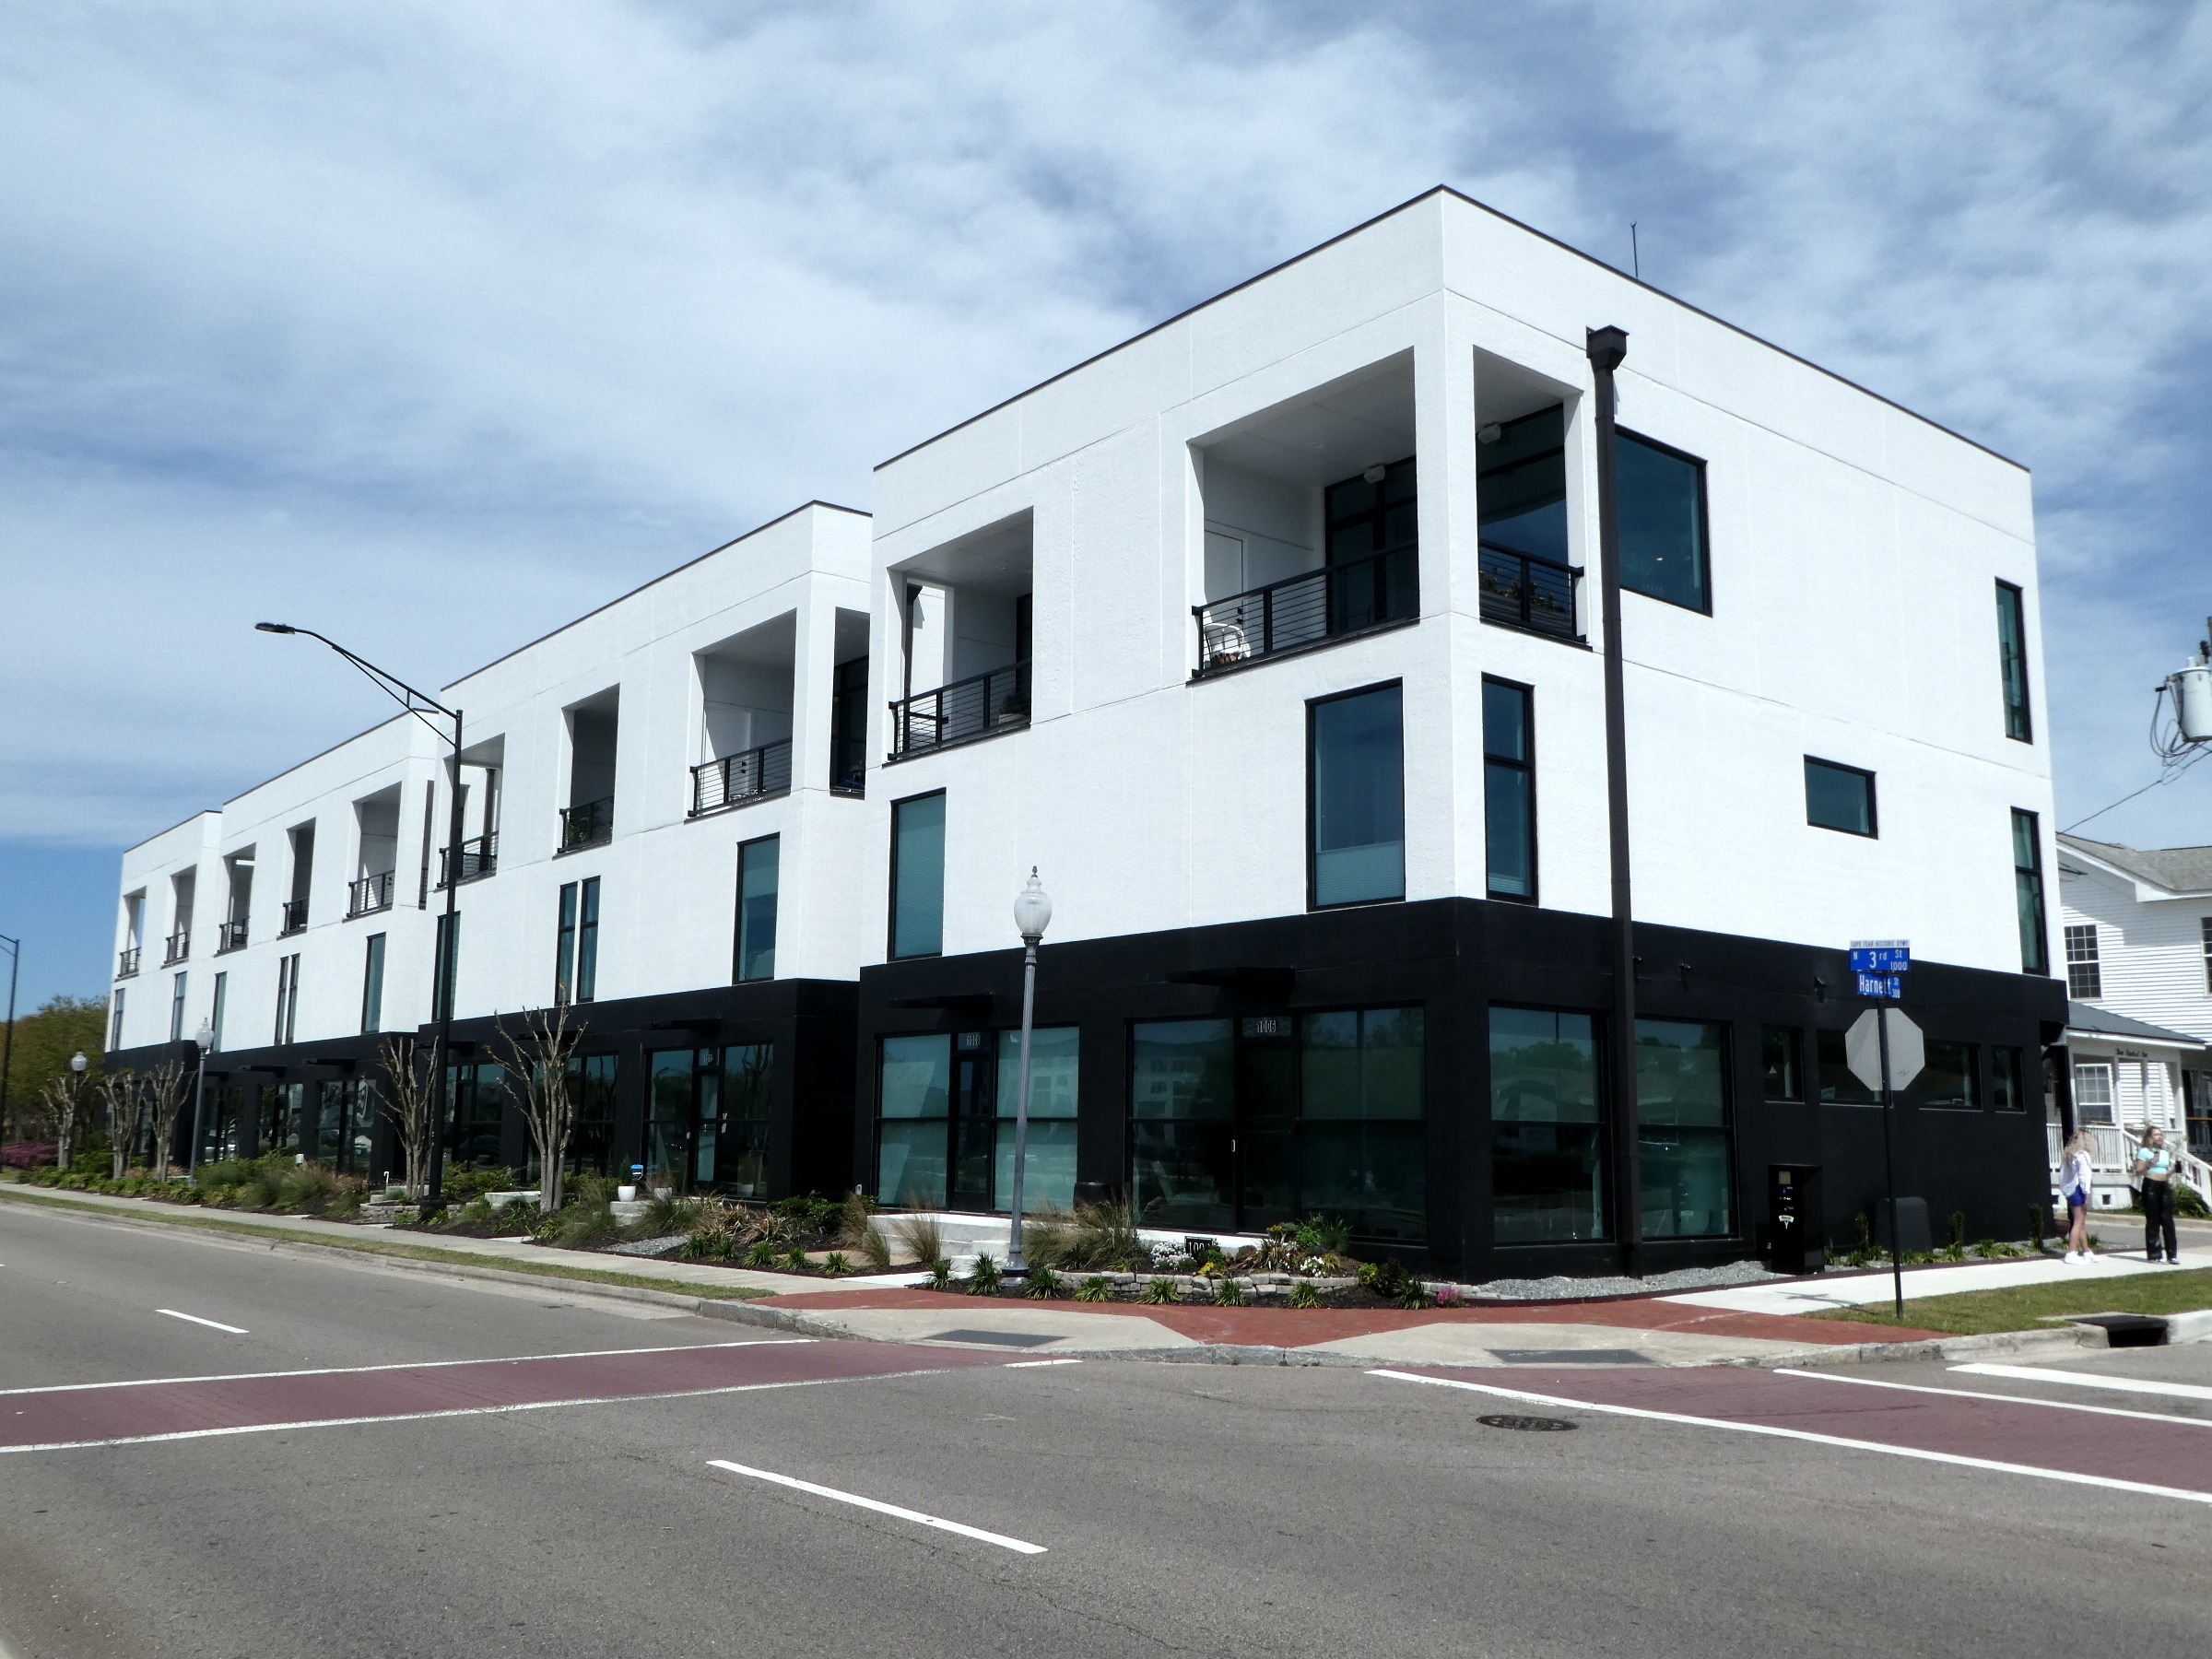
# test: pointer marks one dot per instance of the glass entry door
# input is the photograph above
(707, 1128)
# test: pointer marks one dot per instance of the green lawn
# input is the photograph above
(2033, 1307)
(383, 1246)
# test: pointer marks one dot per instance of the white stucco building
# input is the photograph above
(1272, 638)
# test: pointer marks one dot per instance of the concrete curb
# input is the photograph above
(1949, 1347)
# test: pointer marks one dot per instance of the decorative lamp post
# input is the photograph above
(203, 1039)
(77, 1083)
(8, 1045)
(1032, 914)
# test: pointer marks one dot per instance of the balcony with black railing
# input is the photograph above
(479, 858)
(588, 824)
(369, 894)
(230, 936)
(295, 918)
(754, 775)
(983, 705)
(178, 946)
(1521, 590)
(1312, 609)
(126, 963)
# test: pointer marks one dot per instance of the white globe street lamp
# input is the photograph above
(1032, 915)
(204, 1039)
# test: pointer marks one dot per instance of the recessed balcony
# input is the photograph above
(369, 894)
(1312, 609)
(739, 780)
(126, 963)
(1525, 591)
(294, 919)
(178, 947)
(479, 858)
(588, 824)
(983, 705)
(230, 936)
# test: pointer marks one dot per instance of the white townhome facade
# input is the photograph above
(1272, 638)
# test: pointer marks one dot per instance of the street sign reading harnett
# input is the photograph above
(1880, 966)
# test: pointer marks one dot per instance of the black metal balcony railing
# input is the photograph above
(983, 705)
(179, 946)
(126, 963)
(479, 858)
(1309, 609)
(588, 824)
(1524, 591)
(753, 775)
(368, 893)
(230, 934)
(295, 917)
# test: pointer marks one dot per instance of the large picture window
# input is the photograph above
(1547, 1129)
(918, 876)
(758, 866)
(1509, 790)
(1356, 782)
(1663, 536)
(948, 1109)
(1682, 1131)
(914, 1098)
(1183, 1108)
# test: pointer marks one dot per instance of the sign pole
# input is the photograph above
(1897, 1260)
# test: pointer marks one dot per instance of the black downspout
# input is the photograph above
(1606, 349)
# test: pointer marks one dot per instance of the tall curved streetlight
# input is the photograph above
(1032, 915)
(442, 972)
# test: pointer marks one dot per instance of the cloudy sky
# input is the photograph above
(318, 311)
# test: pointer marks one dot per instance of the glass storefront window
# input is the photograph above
(1547, 1169)
(707, 1127)
(1840, 1085)
(1182, 1105)
(1947, 1079)
(914, 1098)
(592, 1095)
(1048, 1170)
(1682, 1137)
(479, 1099)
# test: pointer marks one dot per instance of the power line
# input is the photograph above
(2168, 776)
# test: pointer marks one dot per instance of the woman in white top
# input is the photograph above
(2076, 1167)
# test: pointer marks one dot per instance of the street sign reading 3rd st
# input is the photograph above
(1880, 956)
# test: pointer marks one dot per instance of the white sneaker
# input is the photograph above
(2073, 1256)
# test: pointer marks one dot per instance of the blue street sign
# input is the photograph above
(1888, 986)
(1881, 956)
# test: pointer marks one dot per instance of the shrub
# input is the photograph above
(835, 1265)
(1388, 1280)
(762, 1254)
(985, 1278)
(1045, 1285)
(460, 1186)
(1323, 1235)
(1228, 1294)
(919, 1237)
(517, 1214)
(807, 1214)
(1158, 1291)
(1098, 1235)
(674, 1213)
(1094, 1289)
(795, 1260)
(2187, 1202)
(940, 1274)
(1303, 1295)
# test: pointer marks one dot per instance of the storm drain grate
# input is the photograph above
(1532, 1425)
(1571, 1357)
(1020, 1339)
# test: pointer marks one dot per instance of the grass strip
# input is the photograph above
(2035, 1307)
(417, 1252)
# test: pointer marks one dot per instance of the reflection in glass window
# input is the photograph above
(668, 1120)
(2012, 662)
(758, 866)
(1182, 1104)
(1521, 485)
(1547, 1175)
(1356, 761)
(1778, 1047)
(479, 1102)
(1682, 1130)
(1839, 797)
(914, 1093)
(918, 876)
(591, 1135)
(1048, 1160)
(1509, 789)
(1947, 1076)
(2028, 891)
(1662, 494)
(2007, 1082)
(1362, 1153)
(1840, 1085)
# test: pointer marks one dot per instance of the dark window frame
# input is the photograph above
(1796, 1034)
(2029, 879)
(564, 946)
(737, 973)
(891, 931)
(2012, 663)
(1312, 861)
(373, 983)
(1528, 769)
(1874, 818)
(1697, 465)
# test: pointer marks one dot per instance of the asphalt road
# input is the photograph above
(1178, 1508)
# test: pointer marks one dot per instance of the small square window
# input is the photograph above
(1839, 797)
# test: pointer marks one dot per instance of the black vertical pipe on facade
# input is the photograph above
(442, 975)
(1606, 348)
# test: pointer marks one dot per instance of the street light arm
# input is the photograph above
(415, 703)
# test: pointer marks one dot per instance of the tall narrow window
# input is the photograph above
(1663, 539)
(287, 997)
(1778, 1050)
(1548, 1128)
(2028, 891)
(2008, 1086)
(1509, 789)
(372, 987)
(918, 876)
(758, 863)
(564, 947)
(1682, 1130)
(115, 1021)
(176, 1009)
(914, 1101)
(445, 965)
(1839, 797)
(222, 996)
(2012, 661)
(849, 727)
(587, 942)
(2085, 973)
(2205, 931)
(1356, 785)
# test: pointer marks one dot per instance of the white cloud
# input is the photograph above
(327, 311)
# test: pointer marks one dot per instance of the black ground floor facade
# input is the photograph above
(1433, 1074)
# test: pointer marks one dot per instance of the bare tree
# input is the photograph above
(62, 1102)
(403, 1101)
(538, 1059)
(165, 1095)
(123, 1095)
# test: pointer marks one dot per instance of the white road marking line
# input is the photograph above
(1030, 1364)
(213, 1325)
(1017, 1545)
(356, 1370)
(459, 1411)
(2037, 1373)
(2066, 1476)
(1975, 1394)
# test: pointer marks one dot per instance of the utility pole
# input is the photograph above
(8, 1045)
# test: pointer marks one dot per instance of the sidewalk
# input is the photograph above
(1875, 1287)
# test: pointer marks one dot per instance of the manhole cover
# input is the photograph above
(1533, 1425)
(1020, 1339)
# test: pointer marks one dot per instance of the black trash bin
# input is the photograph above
(1795, 1224)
